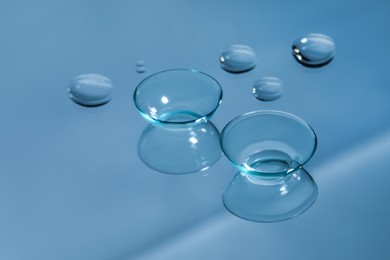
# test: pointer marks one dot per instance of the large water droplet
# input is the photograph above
(268, 89)
(140, 66)
(314, 49)
(90, 90)
(238, 58)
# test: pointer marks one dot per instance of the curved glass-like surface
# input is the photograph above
(268, 143)
(179, 96)
(180, 151)
(252, 198)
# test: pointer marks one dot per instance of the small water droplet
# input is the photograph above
(268, 88)
(140, 66)
(314, 49)
(238, 58)
(90, 90)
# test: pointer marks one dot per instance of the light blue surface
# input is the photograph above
(72, 185)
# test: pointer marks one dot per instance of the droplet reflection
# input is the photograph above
(140, 66)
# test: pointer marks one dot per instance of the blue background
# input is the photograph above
(72, 185)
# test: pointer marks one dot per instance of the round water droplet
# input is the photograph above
(140, 66)
(90, 90)
(268, 89)
(314, 49)
(238, 58)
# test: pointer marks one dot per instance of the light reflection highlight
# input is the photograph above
(164, 100)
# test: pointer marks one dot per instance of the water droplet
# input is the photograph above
(314, 49)
(90, 90)
(140, 66)
(238, 58)
(268, 89)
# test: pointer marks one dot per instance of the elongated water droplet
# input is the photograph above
(314, 49)
(90, 90)
(140, 66)
(268, 89)
(238, 58)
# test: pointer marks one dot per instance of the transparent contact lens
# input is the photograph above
(269, 148)
(178, 97)
(268, 143)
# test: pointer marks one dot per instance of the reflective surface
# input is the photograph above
(72, 186)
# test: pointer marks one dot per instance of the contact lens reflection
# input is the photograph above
(180, 150)
(258, 199)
